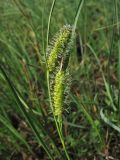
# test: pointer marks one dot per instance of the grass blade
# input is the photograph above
(77, 16)
(14, 131)
(49, 21)
(26, 115)
(104, 79)
(88, 116)
(107, 121)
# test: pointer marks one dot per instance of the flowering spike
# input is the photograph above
(58, 93)
(58, 47)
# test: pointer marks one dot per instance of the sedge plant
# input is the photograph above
(58, 76)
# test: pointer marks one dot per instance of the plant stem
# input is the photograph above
(61, 137)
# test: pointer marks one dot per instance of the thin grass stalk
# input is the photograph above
(80, 5)
(49, 22)
(88, 116)
(104, 79)
(43, 11)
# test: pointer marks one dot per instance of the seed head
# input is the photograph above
(58, 47)
(58, 93)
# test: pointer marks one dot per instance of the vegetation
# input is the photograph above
(59, 80)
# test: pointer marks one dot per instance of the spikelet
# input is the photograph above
(58, 47)
(58, 93)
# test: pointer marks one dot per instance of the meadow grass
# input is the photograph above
(89, 126)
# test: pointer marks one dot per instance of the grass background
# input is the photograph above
(91, 122)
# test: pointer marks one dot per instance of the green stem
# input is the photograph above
(49, 21)
(59, 129)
